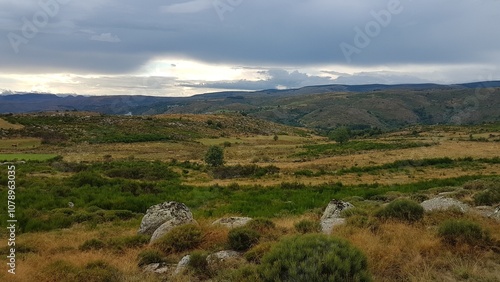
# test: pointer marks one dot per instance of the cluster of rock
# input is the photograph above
(162, 218)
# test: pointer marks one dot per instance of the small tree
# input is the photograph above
(275, 138)
(215, 156)
(340, 135)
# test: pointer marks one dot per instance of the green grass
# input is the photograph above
(27, 157)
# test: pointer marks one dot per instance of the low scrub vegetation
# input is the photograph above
(405, 210)
(332, 149)
(242, 238)
(180, 239)
(455, 232)
(242, 171)
(314, 257)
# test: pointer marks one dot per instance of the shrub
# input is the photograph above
(405, 210)
(307, 226)
(242, 238)
(314, 257)
(488, 197)
(261, 225)
(462, 231)
(215, 156)
(180, 238)
(256, 253)
(99, 271)
(198, 263)
(246, 273)
(238, 171)
(134, 241)
(58, 270)
(148, 257)
(92, 244)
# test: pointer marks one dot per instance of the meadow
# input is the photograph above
(113, 168)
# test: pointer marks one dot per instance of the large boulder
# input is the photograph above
(332, 215)
(442, 203)
(161, 218)
(232, 222)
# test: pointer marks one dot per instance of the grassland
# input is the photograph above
(113, 181)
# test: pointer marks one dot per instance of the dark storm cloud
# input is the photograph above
(119, 36)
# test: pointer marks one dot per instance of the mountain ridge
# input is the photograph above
(319, 106)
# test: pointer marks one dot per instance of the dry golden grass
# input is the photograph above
(396, 251)
(7, 125)
(23, 144)
(400, 252)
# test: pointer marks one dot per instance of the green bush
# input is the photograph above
(215, 156)
(256, 253)
(261, 225)
(180, 239)
(453, 232)
(99, 271)
(58, 270)
(314, 257)
(198, 263)
(242, 238)
(134, 241)
(405, 210)
(92, 244)
(239, 171)
(246, 273)
(488, 197)
(148, 257)
(307, 226)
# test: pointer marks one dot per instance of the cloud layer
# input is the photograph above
(290, 43)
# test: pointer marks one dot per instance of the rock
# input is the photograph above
(441, 203)
(222, 256)
(496, 214)
(161, 213)
(332, 215)
(159, 268)
(172, 213)
(183, 263)
(232, 222)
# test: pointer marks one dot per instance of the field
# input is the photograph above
(113, 168)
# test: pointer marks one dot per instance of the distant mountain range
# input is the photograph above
(323, 106)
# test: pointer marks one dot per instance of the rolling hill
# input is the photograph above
(326, 106)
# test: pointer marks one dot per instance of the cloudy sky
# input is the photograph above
(185, 47)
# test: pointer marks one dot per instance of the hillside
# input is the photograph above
(383, 106)
(85, 181)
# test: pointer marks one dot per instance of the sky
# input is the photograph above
(186, 47)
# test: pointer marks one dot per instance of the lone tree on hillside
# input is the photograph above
(340, 135)
(214, 156)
